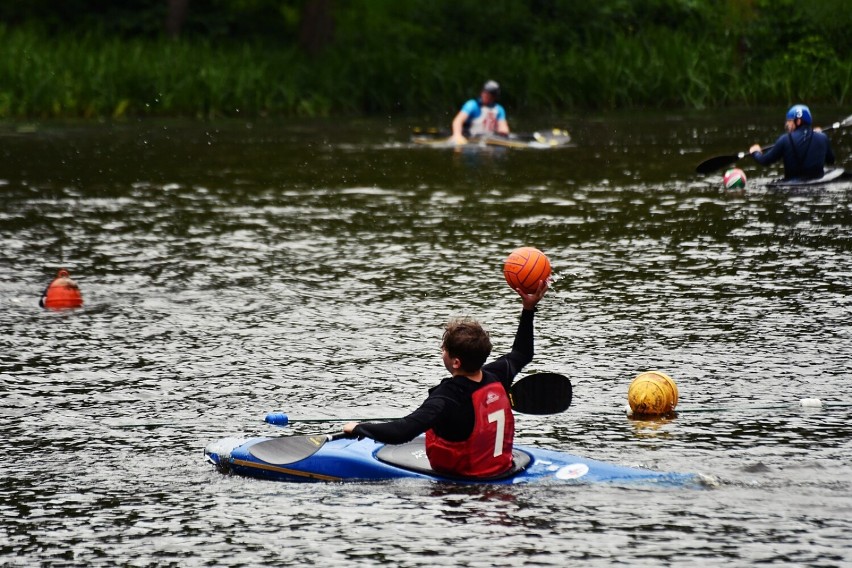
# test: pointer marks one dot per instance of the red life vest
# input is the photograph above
(488, 449)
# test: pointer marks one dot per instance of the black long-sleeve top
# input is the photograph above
(448, 410)
(804, 151)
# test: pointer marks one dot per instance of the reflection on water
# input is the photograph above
(237, 268)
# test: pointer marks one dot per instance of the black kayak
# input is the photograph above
(834, 175)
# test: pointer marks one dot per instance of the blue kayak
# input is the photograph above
(331, 458)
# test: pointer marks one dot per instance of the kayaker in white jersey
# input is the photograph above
(481, 116)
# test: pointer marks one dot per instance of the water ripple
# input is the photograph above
(229, 272)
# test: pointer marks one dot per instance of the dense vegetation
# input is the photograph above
(319, 57)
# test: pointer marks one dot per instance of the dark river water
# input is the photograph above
(234, 268)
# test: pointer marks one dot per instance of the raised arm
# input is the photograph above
(523, 348)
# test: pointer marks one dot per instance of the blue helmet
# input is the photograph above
(800, 111)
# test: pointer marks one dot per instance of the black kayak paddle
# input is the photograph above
(717, 162)
(539, 393)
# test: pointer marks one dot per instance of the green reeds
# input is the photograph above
(98, 76)
(93, 75)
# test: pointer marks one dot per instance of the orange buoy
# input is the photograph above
(652, 393)
(62, 293)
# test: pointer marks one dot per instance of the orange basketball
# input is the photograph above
(525, 267)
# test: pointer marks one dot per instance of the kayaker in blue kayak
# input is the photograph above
(468, 417)
(481, 116)
(805, 149)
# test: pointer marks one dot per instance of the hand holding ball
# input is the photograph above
(525, 268)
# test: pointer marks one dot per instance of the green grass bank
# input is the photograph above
(95, 74)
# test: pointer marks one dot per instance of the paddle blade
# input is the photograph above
(283, 451)
(554, 137)
(716, 163)
(431, 132)
(541, 393)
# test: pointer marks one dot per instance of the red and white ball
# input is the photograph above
(734, 178)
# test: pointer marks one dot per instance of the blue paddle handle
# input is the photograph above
(277, 418)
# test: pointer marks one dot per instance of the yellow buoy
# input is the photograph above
(652, 393)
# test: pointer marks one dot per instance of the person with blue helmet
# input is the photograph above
(481, 116)
(805, 150)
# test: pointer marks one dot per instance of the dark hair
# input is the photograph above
(466, 340)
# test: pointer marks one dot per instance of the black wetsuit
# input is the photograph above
(448, 410)
(804, 151)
